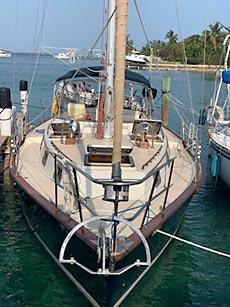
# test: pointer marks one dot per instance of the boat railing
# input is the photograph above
(145, 206)
(106, 248)
(121, 187)
(190, 139)
(104, 270)
(114, 219)
(129, 182)
(110, 186)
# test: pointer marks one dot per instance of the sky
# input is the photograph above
(27, 24)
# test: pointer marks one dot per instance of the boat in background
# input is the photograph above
(69, 53)
(62, 55)
(218, 122)
(135, 57)
(105, 178)
(4, 53)
(73, 54)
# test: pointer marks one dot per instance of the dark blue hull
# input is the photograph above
(101, 290)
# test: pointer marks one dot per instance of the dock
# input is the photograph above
(176, 67)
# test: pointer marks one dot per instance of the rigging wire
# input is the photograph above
(90, 50)
(184, 56)
(40, 36)
(146, 37)
(15, 35)
(177, 103)
(36, 26)
(103, 23)
(35, 47)
(192, 111)
(100, 36)
(204, 61)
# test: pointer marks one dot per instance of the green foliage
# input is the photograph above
(196, 49)
(129, 44)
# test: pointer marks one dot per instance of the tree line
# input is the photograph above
(196, 49)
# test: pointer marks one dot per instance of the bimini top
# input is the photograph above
(94, 71)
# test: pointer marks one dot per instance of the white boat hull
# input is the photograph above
(223, 161)
(218, 121)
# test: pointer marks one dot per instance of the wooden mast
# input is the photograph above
(120, 51)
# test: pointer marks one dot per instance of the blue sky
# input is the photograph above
(77, 23)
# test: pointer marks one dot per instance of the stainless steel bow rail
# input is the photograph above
(103, 270)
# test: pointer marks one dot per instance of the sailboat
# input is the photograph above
(102, 181)
(218, 122)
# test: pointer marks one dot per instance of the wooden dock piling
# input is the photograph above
(165, 89)
(5, 147)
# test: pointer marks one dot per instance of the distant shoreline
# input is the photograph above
(159, 66)
(178, 67)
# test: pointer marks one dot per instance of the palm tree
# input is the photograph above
(214, 32)
(173, 38)
(129, 44)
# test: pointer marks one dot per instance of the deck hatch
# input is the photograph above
(107, 149)
(102, 156)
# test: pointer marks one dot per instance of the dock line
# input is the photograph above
(194, 244)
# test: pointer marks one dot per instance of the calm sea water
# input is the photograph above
(183, 276)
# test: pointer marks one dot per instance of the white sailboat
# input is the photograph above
(218, 122)
(105, 179)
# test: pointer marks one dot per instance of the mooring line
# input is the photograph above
(193, 244)
(84, 292)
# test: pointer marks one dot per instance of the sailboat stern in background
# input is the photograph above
(218, 122)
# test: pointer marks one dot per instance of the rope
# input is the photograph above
(194, 244)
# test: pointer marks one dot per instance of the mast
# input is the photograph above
(110, 55)
(120, 50)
